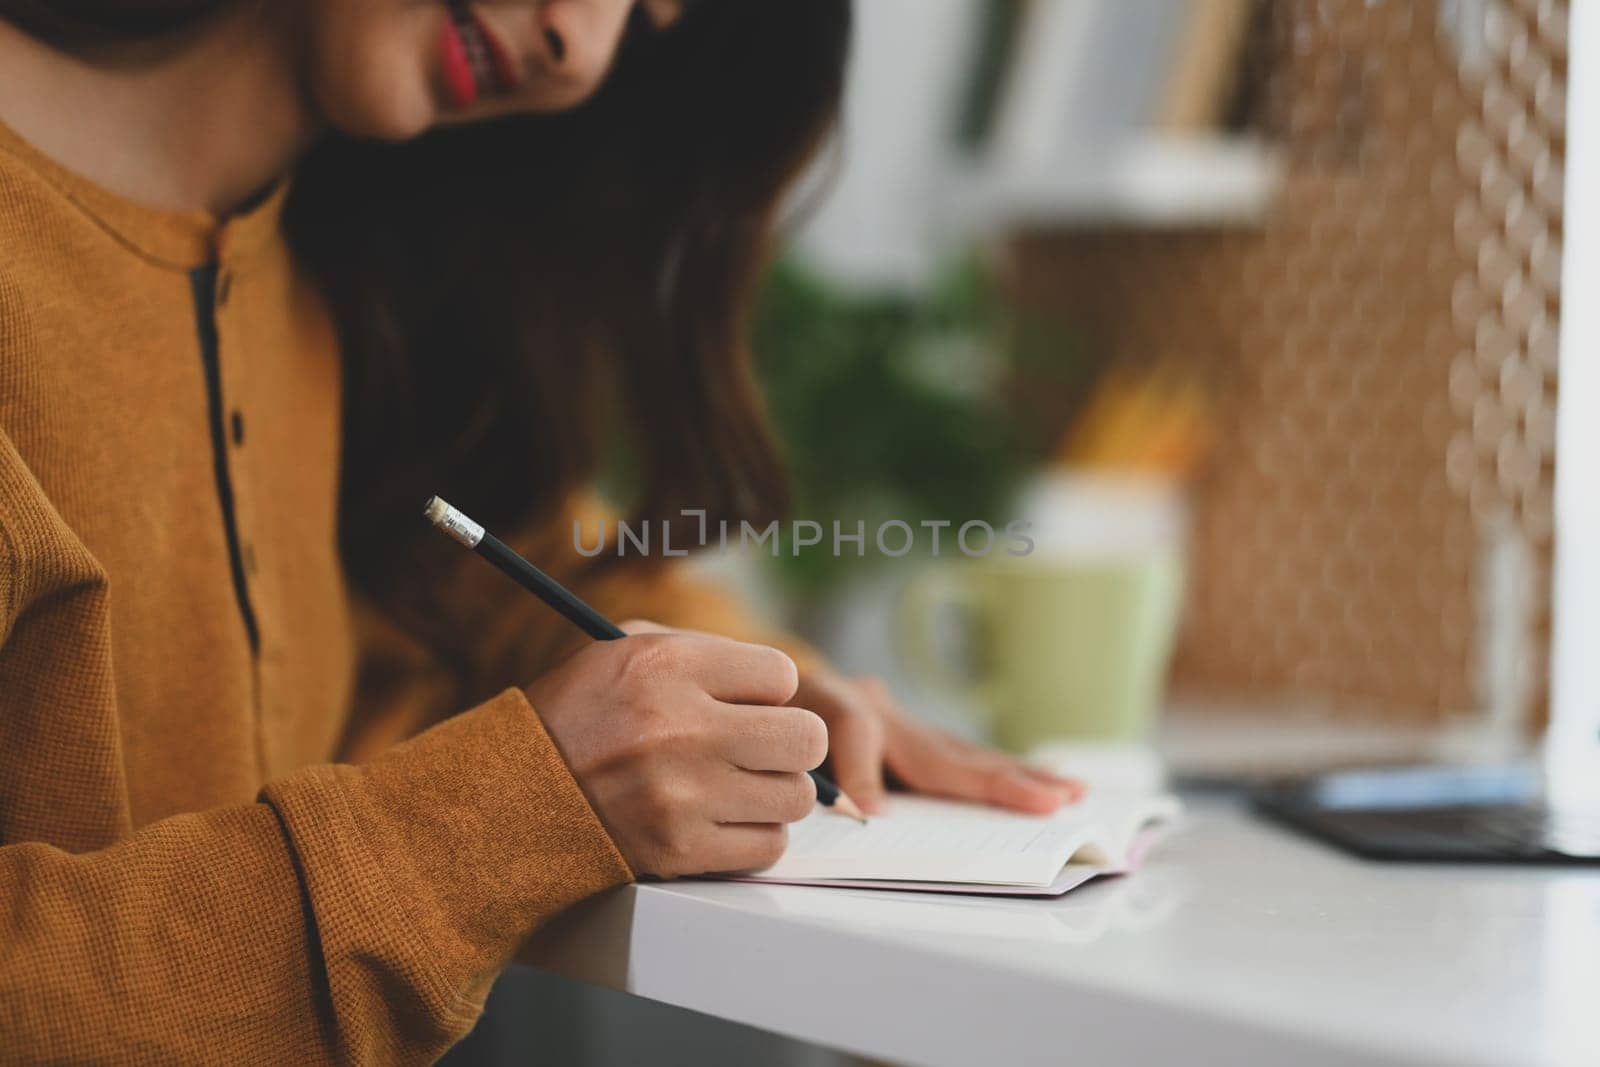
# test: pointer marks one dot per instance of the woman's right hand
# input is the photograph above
(683, 745)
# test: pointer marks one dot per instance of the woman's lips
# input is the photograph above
(474, 62)
(460, 83)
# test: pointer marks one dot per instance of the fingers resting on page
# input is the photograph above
(870, 734)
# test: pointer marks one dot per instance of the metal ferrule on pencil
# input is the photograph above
(453, 522)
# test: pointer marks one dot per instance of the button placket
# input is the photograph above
(229, 365)
(234, 362)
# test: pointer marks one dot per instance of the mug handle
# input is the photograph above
(936, 589)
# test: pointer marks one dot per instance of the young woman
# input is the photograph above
(284, 777)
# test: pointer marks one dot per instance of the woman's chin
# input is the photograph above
(379, 111)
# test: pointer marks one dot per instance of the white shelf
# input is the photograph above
(1148, 181)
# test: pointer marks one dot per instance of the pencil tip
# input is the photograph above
(845, 806)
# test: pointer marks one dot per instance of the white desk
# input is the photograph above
(1237, 944)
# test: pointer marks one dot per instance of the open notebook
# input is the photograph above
(948, 847)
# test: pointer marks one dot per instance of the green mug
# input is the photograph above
(1064, 649)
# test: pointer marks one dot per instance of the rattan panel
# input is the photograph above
(1382, 349)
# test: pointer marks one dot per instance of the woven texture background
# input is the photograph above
(1382, 348)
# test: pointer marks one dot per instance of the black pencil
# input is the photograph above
(511, 563)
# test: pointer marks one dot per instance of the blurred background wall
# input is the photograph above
(1381, 344)
(1340, 221)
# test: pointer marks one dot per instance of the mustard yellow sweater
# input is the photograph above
(241, 819)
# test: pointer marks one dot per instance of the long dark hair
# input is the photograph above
(516, 300)
(80, 24)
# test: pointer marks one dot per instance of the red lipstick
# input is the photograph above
(473, 60)
(460, 85)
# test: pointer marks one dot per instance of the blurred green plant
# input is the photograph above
(893, 405)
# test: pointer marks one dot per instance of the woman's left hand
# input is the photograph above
(869, 733)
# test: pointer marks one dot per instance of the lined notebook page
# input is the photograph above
(924, 839)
